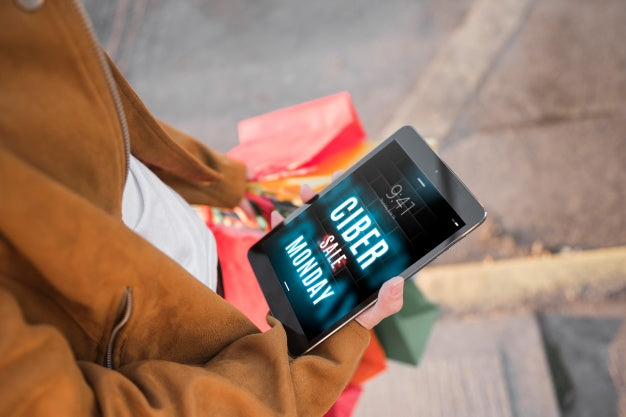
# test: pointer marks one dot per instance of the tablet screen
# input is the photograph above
(369, 227)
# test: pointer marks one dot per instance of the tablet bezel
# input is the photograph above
(437, 172)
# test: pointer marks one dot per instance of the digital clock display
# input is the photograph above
(368, 228)
(404, 204)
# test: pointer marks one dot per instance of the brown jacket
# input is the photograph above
(93, 319)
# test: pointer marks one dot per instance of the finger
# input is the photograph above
(245, 205)
(306, 192)
(275, 219)
(337, 174)
(389, 302)
(249, 174)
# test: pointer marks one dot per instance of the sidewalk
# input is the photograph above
(480, 367)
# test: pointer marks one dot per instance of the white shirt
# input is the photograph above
(162, 217)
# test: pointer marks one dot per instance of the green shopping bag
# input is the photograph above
(405, 334)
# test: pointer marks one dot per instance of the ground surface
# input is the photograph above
(540, 137)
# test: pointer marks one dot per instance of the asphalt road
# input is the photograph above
(205, 65)
(543, 139)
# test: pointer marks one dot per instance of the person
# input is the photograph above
(95, 319)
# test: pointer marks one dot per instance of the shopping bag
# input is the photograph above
(295, 140)
(372, 363)
(346, 403)
(241, 288)
(284, 149)
(404, 335)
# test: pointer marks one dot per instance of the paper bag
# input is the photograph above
(294, 140)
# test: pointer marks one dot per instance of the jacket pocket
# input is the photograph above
(123, 315)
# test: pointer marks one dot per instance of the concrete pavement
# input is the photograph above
(483, 367)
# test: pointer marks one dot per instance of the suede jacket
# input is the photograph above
(93, 319)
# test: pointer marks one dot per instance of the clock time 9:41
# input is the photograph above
(402, 203)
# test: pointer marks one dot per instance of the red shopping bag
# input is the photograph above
(294, 140)
(240, 285)
(345, 404)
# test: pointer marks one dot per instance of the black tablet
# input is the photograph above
(390, 214)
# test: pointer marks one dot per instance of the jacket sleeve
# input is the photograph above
(184, 351)
(254, 376)
(226, 189)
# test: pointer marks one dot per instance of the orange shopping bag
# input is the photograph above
(372, 363)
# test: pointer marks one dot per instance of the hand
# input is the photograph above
(390, 294)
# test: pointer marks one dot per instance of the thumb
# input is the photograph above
(389, 302)
(275, 219)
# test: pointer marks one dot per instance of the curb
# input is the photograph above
(511, 283)
(460, 66)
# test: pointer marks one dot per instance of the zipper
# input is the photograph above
(109, 79)
(122, 317)
(126, 304)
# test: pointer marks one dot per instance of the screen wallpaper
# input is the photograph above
(370, 227)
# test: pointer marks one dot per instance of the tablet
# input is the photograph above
(390, 214)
